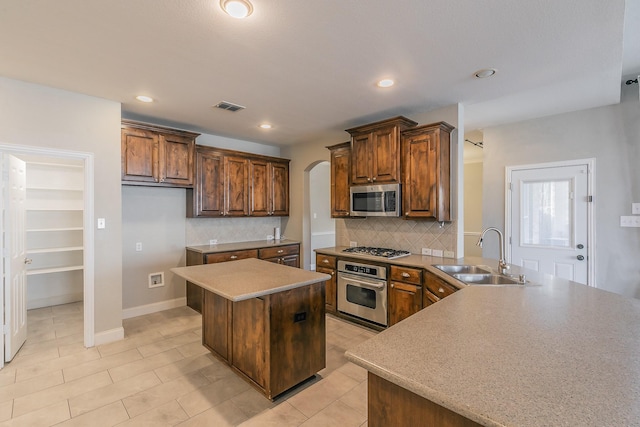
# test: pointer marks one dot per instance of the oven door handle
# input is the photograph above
(362, 282)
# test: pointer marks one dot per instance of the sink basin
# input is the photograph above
(463, 269)
(485, 279)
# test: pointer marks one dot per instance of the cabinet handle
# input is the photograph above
(280, 251)
(233, 257)
(393, 286)
(333, 273)
(441, 290)
(405, 274)
(373, 179)
(325, 261)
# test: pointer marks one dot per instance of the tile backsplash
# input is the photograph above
(226, 230)
(397, 233)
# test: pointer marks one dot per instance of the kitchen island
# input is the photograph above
(557, 354)
(266, 320)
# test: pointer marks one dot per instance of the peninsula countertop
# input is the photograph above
(248, 278)
(558, 354)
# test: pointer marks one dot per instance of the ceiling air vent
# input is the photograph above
(229, 106)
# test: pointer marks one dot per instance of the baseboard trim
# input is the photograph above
(141, 310)
(115, 334)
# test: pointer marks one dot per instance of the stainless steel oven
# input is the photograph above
(362, 291)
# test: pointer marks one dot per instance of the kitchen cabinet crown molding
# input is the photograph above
(125, 123)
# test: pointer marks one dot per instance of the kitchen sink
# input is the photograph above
(485, 279)
(463, 269)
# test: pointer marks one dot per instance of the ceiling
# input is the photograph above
(310, 67)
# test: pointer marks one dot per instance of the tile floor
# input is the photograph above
(161, 375)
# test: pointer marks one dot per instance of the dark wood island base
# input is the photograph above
(275, 341)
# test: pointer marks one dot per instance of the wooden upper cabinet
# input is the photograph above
(340, 170)
(375, 151)
(269, 190)
(206, 200)
(156, 156)
(426, 191)
(236, 186)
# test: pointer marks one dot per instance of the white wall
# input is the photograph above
(323, 229)
(472, 207)
(609, 134)
(41, 116)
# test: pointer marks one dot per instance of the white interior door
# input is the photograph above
(549, 220)
(15, 286)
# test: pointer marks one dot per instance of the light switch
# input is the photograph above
(138, 246)
(630, 221)
(635, 208)
(101, 223)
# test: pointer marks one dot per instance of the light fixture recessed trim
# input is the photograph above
(144, 98)
(385, 83)
(485, 72)
(265, 126)
(237, 8)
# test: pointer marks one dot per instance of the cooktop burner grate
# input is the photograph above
(380, 252)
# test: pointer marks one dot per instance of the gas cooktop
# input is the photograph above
(379, 252)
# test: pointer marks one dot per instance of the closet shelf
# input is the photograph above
(54, 270)
(52, 188)
(50, 250)
(41, 230)
(54, 209)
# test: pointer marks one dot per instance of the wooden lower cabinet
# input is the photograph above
(275, 342)
(435, 289)
(405, 293)
(392, 405)
(285, 254)
(327, 264)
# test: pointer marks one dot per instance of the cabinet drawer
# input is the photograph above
(326, 261)
(230, 256)
(438, 287)
(279, 251)
(407, 275)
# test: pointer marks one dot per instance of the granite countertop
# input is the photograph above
(240, 246)
(555, 354)
(248, 278)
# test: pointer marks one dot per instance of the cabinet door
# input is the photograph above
(259, 188)
(208, 197)
(361, 159)
(340, 196)
(419, 190)
(404, 300)
(279, 191)
(236, 186)
(385, 163)
(330, 286)
(176, 160)
(437, 286)
(140, 151)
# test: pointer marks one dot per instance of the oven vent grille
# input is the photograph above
(229, 106)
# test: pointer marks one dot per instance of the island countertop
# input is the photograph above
(248, 278)
(559, 354)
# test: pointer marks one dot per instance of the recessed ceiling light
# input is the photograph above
(385, 83)
(485, 72)
(143, 98)
(237, 8)
(266, 126)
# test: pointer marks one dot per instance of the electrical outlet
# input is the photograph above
(213, 241)
(426, 251)
(448, 254)
(138, 246)
(101, 223)
(635, 208)
(436, 252)
(353, 244)
(630, 221)
(156, 280)
(269, 236)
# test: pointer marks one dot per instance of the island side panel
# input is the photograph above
(216, 324)
(194, 292)
(250, 326)
(390, 404)
(298, 336)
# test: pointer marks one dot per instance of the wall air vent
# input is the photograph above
(229, 106)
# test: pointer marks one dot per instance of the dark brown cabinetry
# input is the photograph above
(284, 254)
(435, 289)
(405, 293)
(340, 180)
(232, 183)
(426, 172)
(156, 156)
(327, 264)
(375, 151)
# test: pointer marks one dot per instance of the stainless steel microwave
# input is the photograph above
(375, 200)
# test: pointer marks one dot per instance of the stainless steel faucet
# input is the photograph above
(502, 264)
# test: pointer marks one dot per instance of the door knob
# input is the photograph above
(580, 246)
(580, 257)
(28, 260)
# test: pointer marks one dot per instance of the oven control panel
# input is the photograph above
(368, 270)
